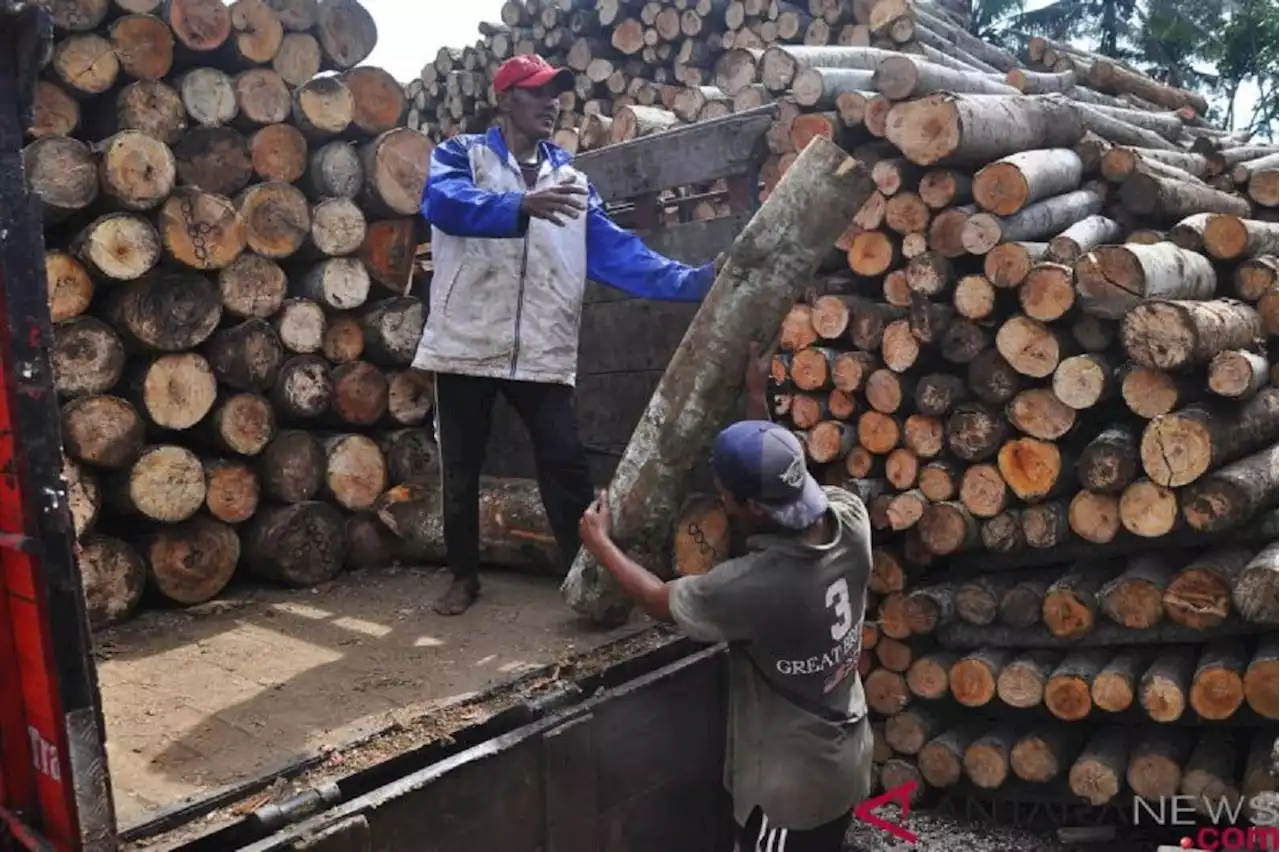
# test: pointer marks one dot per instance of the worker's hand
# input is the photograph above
(593, 529)
(557, 203)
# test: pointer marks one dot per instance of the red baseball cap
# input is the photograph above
(530, 71)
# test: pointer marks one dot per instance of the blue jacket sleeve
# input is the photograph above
(452, 202)
(620, 259)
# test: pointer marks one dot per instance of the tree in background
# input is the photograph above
(1214, 47)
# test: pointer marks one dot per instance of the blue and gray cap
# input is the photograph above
(763, 462)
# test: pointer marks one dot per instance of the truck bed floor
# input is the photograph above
(202, 698)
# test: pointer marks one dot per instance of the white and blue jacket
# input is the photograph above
(506, 294)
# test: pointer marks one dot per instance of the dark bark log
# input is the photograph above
(1229, 496)
(302, 544)
(168, 310)
(821, 174)
(247, 356)
(87, 357)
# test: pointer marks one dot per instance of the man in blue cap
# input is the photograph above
(798, 756)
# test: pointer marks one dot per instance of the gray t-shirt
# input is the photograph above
(792, 614)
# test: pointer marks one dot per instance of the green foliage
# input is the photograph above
(1214, 47)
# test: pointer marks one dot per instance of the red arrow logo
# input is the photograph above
(900, 794)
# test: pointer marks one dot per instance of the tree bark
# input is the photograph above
(514, 532)
(1171, 335)
(1179, 448)
(1011, 183)
(214, 159)
(1254, 594)
(980, 129)
(1229, 496)
(1041, 219)
(170, 310)
(1171, 199)
(346, 32)
(292, 467)
(247, 356)
(903, 76)
(822, 174)
(1083, 237)
(302, 544)
(302, 389)
(412, 456)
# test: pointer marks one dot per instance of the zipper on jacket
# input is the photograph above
(524, 266)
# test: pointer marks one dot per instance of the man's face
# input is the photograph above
(533, 112)
(744, 515)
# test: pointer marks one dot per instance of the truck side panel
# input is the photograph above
(636, 769)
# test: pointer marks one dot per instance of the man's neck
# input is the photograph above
(523, 147)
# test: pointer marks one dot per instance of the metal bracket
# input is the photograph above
(347, 835)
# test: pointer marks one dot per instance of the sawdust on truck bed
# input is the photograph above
(200, 699)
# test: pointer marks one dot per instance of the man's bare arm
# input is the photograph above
(650, 593)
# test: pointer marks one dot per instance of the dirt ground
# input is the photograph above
(201, 698)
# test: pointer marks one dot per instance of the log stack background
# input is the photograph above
(231, 207)
(1046, 357)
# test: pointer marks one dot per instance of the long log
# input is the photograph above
(978, 130)
(1134, 597)
(1011, 183)
(903, 76)
(790, 244)
(1180, 447)
(1112, 279)
(1172, 334)
(1254, 593)
(1261, 679)
(1231, 237)
(1037, 221)
(1171, 199)
(514, 532)
(1227, 497)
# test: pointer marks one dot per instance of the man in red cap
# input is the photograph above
(516, 231)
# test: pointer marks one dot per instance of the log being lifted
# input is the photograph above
(769, 264)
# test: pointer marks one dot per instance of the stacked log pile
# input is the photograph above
(1050, 369)
(230, 232)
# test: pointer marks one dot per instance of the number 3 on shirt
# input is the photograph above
(838, 600)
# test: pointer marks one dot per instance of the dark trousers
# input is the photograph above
(759, 835)
(464, 410)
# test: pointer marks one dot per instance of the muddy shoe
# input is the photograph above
(460, 595)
